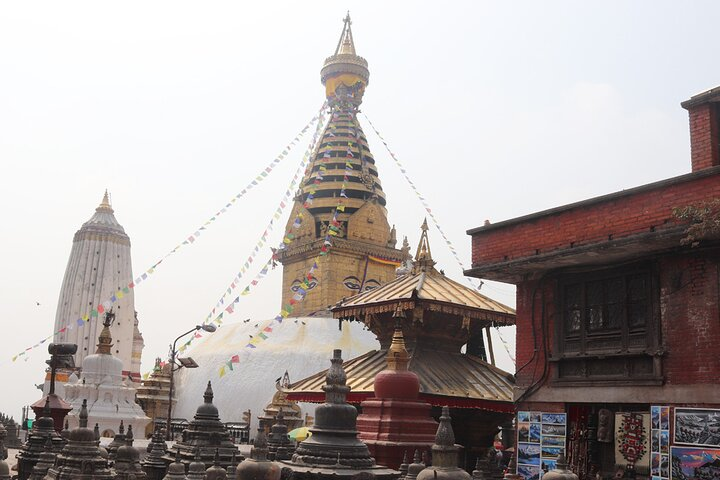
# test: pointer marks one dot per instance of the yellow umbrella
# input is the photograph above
(299, 434)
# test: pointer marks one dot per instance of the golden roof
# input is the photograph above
(453, 379)
(425, 284)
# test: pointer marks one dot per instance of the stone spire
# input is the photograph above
(423, 257)
(153, 464)
(341, 202)
(117, 442)
(278, 446)
(80, 458)
(45, 462)
(444, 454)
(98, 270)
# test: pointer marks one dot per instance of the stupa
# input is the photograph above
(109, 393)
(196, 469)
(80, 459)
(43, 429)
(441, 316)
(99, 270)
(46, 460)
(395, 420)
(292, 414)
(444, 454)
(204, 437)
(176, 470)
(258, 467)
(216, 471)
(154, 392)
(280, 447)
(117, 441)
(154, 464)
(340, 201)
(127, 460)
(415, 467)
(334, 450)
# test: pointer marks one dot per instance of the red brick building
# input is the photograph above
(615, 312)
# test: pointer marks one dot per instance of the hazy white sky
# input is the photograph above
(497, 109)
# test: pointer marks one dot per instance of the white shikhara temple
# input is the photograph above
(99, 267)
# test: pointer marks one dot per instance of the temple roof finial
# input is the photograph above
(423, 257)
(105, 341)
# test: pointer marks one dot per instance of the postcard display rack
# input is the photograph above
(541, 440)
(695, 449)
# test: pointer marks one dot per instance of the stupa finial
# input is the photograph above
(423, 256)
(46, 412)
(397, 356)
(105, 204)
(105, 341)
(83, 416)
(346, 45)
(208, 395)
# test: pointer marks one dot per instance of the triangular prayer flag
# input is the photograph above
(222, 371)
(235, 359)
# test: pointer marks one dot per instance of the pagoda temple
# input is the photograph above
(341, 202)
(99, 269)
(440, 317)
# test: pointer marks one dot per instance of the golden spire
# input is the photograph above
(105, 341)
(397, 356)
(105, 204)
(346, 45)
(423, 257)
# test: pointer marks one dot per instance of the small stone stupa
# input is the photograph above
(80, 459)
(395, 420)
(42, 430)
(279, 445)
(334, 449)
(204, 436)
(415, 467)
(196, 470)
(216, 472)
(444, 454)
(46, 460)
(118, 440)
(176, 470)
(127, 460)
(258, 466)
(154, 464)
(4, 467)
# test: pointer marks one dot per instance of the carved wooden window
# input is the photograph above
(608, 324)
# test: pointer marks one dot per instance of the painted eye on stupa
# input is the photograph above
(312, 284)
(370, 284)
(295, 285)
(352, 283)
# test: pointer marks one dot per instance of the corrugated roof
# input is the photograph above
(443, 376)
(431, 286)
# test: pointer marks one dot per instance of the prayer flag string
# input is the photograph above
(107, 304)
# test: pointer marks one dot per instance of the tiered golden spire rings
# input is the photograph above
(423, 257)
(397, 356)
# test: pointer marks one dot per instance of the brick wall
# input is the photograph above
(690, 319)
(690, 322)
(704, 136)
(592, 222)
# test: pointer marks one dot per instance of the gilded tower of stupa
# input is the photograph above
(341, 203)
